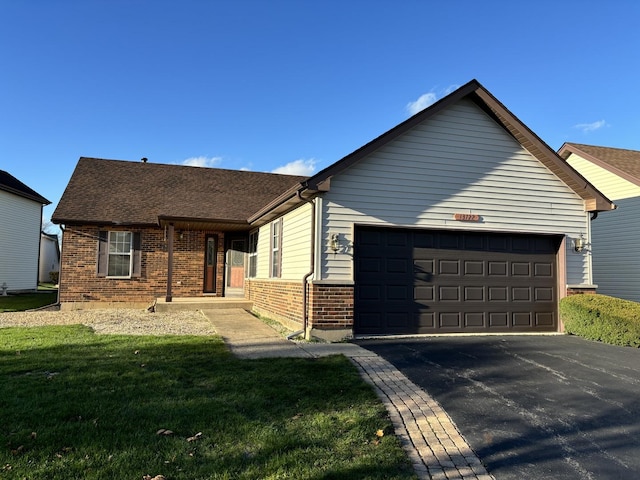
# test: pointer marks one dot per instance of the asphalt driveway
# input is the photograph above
(533, 407)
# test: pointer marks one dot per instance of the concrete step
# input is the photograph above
(202, 303)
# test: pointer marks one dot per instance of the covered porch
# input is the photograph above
(220, 246)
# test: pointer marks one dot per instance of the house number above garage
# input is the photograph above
(466, 217)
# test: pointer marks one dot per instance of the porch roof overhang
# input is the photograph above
(213, 224)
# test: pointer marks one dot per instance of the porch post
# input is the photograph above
(169, 261)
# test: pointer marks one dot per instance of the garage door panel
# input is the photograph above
(474, 320)
(480, 282)
(498, 319)
(426, 321)
(522, 319)
(521, 269)
(370, 292)
(498, 294)
(398, 293)
(369, 265)
(543, 294)
(497, 243)
(521, 294)
(498, 269)
(371, 321)
(450, 320)
(449, 294)
(399, 319)
(474, 294)
(545, 319)
(449, 267)
(543, 270)
(397, 265)
(474, 267)
(424, 293)
(449, 240)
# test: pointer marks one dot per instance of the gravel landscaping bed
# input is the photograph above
(116, 321)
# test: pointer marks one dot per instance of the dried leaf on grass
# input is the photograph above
(164, 431)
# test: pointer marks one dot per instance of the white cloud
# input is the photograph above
(202, 161)
(591, 127)
(298, 167)
(451, 88)
(421, 103)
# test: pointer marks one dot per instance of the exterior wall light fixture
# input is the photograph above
(579, 244)
(334, 242)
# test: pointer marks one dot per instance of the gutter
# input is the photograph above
(305, 301)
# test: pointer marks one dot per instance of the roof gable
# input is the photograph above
(11, 184)
(619, 161)
(139, 193)
(594, 200)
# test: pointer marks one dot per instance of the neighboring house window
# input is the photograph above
(253, 254)
(119, 254)
(276, 249)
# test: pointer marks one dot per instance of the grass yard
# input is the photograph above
(75, 405)
(27, 301)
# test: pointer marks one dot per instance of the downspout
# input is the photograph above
(305, 301)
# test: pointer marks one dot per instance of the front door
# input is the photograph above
(235, 268)
(210, 265)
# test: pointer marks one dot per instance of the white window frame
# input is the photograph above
(275, 253)
(252, 263)
(111, 253)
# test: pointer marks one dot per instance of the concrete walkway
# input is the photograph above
(432, 441)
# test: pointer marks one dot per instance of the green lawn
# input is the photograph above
(27, 301)
(75, 405)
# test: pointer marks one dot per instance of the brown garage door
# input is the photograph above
(424, 281)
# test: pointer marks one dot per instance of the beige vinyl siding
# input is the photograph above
(459, 161)
(616, 262)
(296, 245)
(613, 186)
(20, 223)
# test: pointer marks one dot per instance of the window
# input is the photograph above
(276, 249)
(119, 254)
(119, 262)
(253, 255)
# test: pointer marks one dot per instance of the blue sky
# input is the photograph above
(293, 86)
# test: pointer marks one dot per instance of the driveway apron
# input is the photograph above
(533, 407)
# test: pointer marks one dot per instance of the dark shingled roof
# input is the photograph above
(626, 161)
(11, 184)
(136, 193)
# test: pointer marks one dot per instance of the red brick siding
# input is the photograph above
(78, 271)
(277, 299)
(580, 291)
(331, 306)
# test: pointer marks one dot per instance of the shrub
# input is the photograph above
(54, 276)
(602, 318)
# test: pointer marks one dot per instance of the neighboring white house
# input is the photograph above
(49, 257)
(20, 229)
(615, 236)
